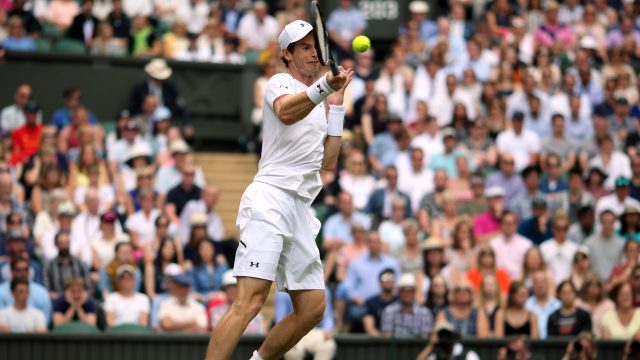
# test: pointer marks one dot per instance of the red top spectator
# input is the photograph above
(26, 139)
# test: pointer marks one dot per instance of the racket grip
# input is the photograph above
(334, 68)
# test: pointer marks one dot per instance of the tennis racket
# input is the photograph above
(321, 38)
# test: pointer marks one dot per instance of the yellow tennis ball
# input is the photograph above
(361, 44)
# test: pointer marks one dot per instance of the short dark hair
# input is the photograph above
(121, 244)
(613, 294)
(566, 283)
(18, 281)
(16, 261)
(607, 212)
(290, 48)
(59, 234)
(69, 91)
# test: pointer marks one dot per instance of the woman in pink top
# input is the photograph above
(62, 12)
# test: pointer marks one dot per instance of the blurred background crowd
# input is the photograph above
(489, 177)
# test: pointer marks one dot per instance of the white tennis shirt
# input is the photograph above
(291, 154)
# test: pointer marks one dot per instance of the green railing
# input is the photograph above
(133, 346)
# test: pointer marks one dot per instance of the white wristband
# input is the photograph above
(335, 120)
(319, 90)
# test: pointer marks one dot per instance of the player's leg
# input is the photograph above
(252, 293)
(308, 311)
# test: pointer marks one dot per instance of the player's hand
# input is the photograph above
(340, 83)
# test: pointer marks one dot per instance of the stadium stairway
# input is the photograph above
(232, 173)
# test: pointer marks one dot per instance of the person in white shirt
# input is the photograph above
(430, 140)
(126, 306)
(12, 116)
(257, 28)
(276, 223)
(206, 205)
(614, 163)
(20, 317)
(558, 252)
(86, 226)
(195, 13)
(443, 102)
(355, 179)
(522, 143)
(135, 8)
(509, 246)
(141, 224)
(103, 244)
(180, 312)
(416, 181)
(618, 200)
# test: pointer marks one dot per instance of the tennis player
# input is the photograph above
(302, 128)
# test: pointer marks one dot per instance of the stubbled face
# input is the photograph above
(304, 58)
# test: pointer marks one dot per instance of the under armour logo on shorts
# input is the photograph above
(320, 89)
(254, 264)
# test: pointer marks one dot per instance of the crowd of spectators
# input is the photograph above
(489, 178)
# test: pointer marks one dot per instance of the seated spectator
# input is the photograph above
(405, 317)
(593, 299)
(155, 269)
(141, 224)
(64, 115)
(541, 303)
(80, 179)
(553, 185)
(489, 301)
(80, 132)
(537, 228)
(181, 313)
(630, 224)
(434, 261)
(126, 305)
(144, 41)
(26, 139)
(524, 144)
(20, 317)
(431, 204)
(84, 26)
(62, 12)
(19, 246)
(129, 154)
(448, 158)
(86, 225)
(437, 295)
(466, 319)
(410, 255)
(162, 133)
(176, 40)
(376, 205)
(108, 279)
(581, 270)
(103, 244)
(344, 23)
(170, 174)
(507, 178)
(509, 246)
(414, 179)
(623, 271)
(606, 248)
(391, 231)
(376, 305)
(319, 340)
(515, 318)
(50, 180)
(64, 267)
(62, 223)
(558, 252)
(38, 297)
(564, 151)
(618, 200)
(256, 29)
(136, 175)
(17, 39)
(486, 265)
(585, 226)
(617, 166)
(384, 148)
(31, 22)
(577, 196)
(623, 322)
(74, 305)
(487, 225)
(569, 320)
(358, 282)
(105, 43)
(12, 116)
(533, 262)
(184, 192)
(207, 271)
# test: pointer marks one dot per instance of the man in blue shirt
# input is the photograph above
(361, 283)
(17, 41)
(63, 116)
(345, 23)
(447, 160)
(537, 228)
(38, 296)
(540, 303)
(337, 229)
(318, 341)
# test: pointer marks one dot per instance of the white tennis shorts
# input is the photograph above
(277, 239)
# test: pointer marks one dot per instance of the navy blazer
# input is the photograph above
(375, 205)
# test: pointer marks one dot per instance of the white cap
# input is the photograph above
(407, 280)
(173, 269)
(418, 7)
(494, 191)
(293, 32)
(179, 146)
(161, 113)
(588, 42)
(228, 278)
